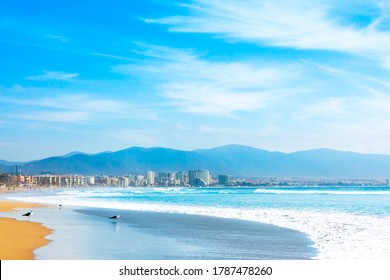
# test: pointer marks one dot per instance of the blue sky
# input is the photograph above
(280, 75)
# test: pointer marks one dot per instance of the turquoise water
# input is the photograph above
(359, 200)
(343, 222)
(355, 200)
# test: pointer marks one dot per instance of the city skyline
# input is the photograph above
(276, 75)
(192, 178)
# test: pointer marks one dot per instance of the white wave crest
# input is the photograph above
(273, 191)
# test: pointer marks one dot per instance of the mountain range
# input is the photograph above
(235, 160)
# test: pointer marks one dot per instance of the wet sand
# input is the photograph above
(19, 239)
(153, 235)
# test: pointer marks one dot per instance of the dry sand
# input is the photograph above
(18, 239)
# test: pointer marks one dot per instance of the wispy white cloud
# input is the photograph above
(58, 116)
(81, 102)
(330, 108)
(53, 75)
(69, 107)
(74, 101)
(195, 84)
(356, 118)
(378, 104)
(116, 57)
(319, 25)
(210, 100)
(60, 38)
(362, 98)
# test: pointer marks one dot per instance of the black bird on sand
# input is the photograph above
(28, 214)
(116, 217)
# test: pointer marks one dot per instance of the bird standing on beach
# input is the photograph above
(28, 214)
(116, 217)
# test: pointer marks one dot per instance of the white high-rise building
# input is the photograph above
(90, 180)
(150, 177)
(180, 178)
(124, 181)
(198, 178)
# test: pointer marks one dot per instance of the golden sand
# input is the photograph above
(18, 239)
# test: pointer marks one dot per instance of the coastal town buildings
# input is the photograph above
(224, 180)
(192, 178)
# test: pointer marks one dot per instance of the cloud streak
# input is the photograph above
(72, 108)
(73, 117)
(298, 24)
(194, 84)
(53, 75)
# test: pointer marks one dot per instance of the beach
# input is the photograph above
(213, 223)
(87, 233)
(19, 239)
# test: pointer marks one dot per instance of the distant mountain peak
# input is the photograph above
(230, 147)
(73, 153)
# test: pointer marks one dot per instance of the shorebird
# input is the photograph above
(28, 214)
(116, 217)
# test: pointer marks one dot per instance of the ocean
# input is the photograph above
(305, 222)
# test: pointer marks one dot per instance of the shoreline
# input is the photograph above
(87, 220)
(336, 235)
(9, 190)
(208, 237)
(19, 239)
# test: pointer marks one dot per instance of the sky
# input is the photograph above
(279, 75)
